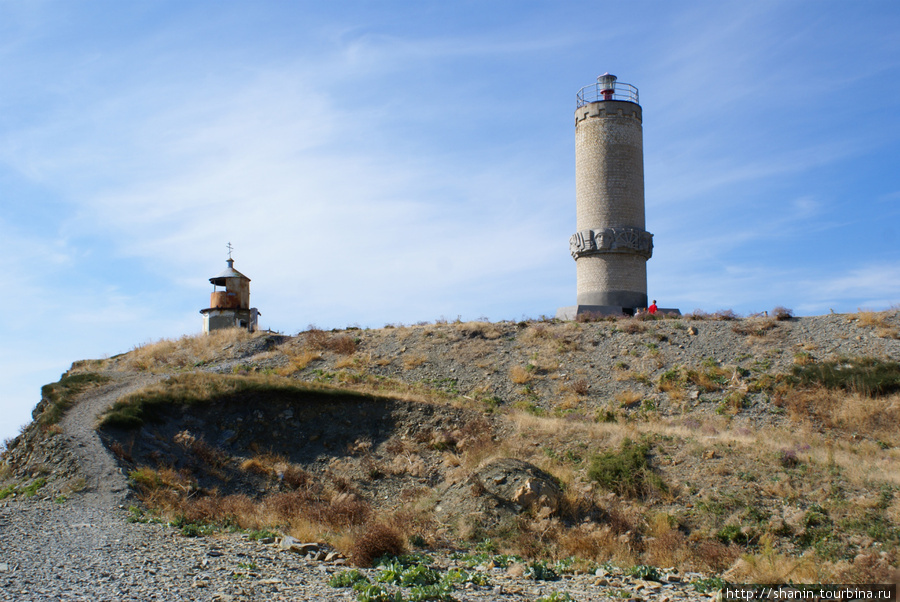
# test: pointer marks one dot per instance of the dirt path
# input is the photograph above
(106, 485)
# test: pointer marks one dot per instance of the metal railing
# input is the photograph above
(596, 93)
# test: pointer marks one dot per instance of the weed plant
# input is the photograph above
(627, 471)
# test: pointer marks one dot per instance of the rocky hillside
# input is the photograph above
(759, 448)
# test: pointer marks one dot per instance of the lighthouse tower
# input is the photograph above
(230, 306)
(610, 245)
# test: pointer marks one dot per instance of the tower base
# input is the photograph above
(573, 311)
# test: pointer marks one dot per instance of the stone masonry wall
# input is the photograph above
(609, 166)
(612, 279)
(609, 189)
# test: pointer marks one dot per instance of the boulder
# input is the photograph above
(498, 490)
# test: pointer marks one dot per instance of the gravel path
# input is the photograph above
(85, 549)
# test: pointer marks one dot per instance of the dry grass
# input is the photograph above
(580, 386)
(478, 351)
(803, 358)
(541, 363)
(710, 379)
(376, 541)
(200, 449)
(299, 361)
(484, 330)
(265, 464)
(878, 321)
(755, 327)
(342, 344)
(770, 567)
(188, 351)
(357, 360)
(871, 319)
(850, 412)
(632, 325)
(666, 545)
(627, 398)
(520, 375)
(535, 333)
(413, 360)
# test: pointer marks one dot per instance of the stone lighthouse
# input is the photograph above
(230, 306)
(610, 245)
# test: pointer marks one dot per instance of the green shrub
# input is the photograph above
(257, 535)
(348, 579)
(376, 593)
(709, 584)
(419, 574)
(539, 571)
(731, 534)
(192, 529)
(31, 489)
(627, 471)
(645, 572)
(864, 375)
(442, 592)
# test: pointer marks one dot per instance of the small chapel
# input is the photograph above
(229, 303)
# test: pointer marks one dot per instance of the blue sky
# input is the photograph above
(392, 162)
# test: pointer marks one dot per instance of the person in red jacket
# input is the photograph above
(652, 309)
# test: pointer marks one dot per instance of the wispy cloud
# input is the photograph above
(389, 162)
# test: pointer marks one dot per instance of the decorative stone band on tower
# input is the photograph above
(610, 245)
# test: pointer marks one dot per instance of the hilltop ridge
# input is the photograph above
(764, 447)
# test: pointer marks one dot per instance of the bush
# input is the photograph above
(377, 541)
(732, 534)
(627, 472)
(864, 375)
(539, 571)
(645, 572)
(782, 313)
